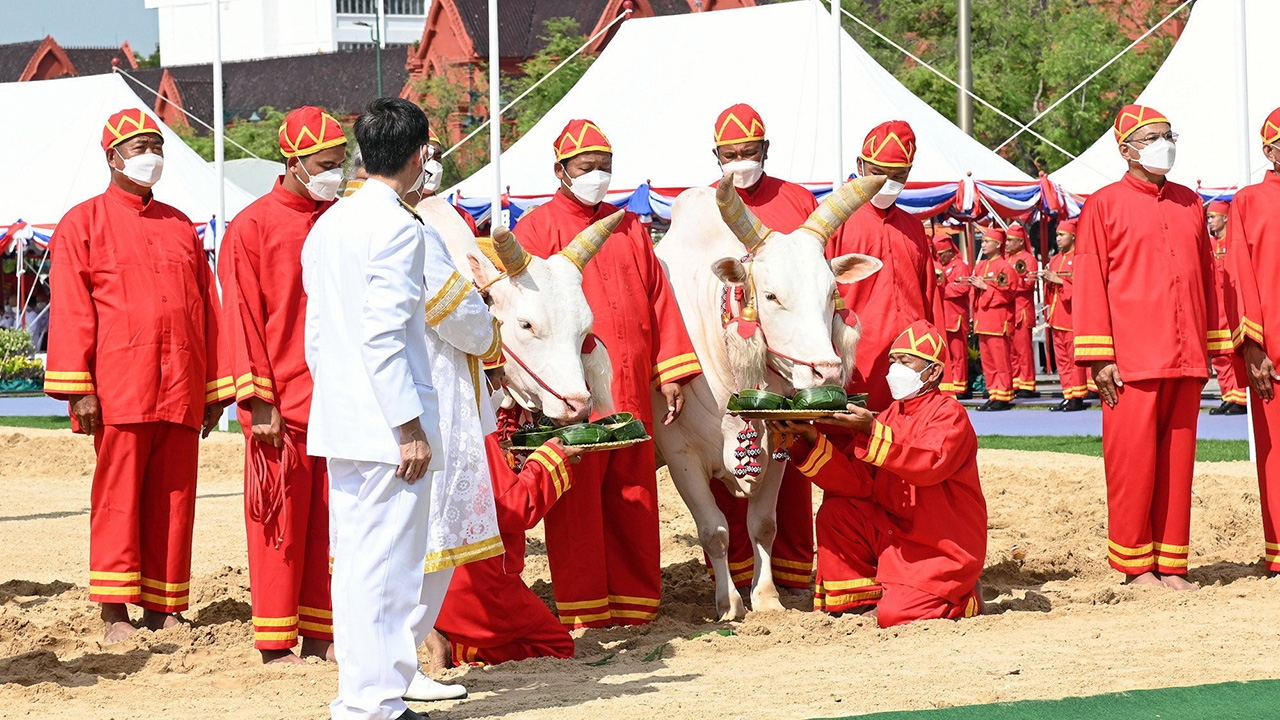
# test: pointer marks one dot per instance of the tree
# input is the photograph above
(1026, 54)
(261, 137)
(561, 37)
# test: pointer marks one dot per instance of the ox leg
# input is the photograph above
(762, 524)
(713, 533)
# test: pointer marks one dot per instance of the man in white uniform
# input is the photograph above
(375, 415)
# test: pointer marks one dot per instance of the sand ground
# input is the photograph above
(1059, 624)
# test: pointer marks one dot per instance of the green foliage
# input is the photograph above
(21, 367)
(1206, 450)
(262, 137)
(562, 37)
(14, 343)
(148, 61)
(51, 422)
(1026, 55)
(446, 97)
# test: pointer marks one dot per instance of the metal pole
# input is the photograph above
(495, 120)
(1243, 149)
(377, 41)
(964, 108)
(219, 152)
(837, 97)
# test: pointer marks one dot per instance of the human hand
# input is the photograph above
(855, 418)
(572, 453)
(88, 413)
(415, 452)
(1261, 371)
(1107, 377)
(212, 414)
(267, 424)
(674, 396)
(781, 431)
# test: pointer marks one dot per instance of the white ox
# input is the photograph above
(715, 242)
(544, 315)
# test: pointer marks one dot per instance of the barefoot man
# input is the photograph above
(132, 347)
(286, 507)
(1145, 321)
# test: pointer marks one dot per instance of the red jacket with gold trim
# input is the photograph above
(955, 296)
(780, 205)
(1253, 260)
(1026, 265)
(1058, 314)
(993, 307)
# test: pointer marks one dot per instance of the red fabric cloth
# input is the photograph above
(993, 307)
(142, 511)
(780, 205)
(133, 313)
(489, 614)
(1024, 320)
(904, 604)
(470, 221)
(919, 466)
(1074, 378)
(1149, 451)
(1266, 428)
(264, 317)
(903, 291)
(1143, 252)
(995, 353)
(1233, 378)
(955, 379)
(635, 310)
(1059, 302)
(955, 296)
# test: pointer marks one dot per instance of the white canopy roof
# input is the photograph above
(658, 87)
(254, 175)
(1196, 90)
(56, 160)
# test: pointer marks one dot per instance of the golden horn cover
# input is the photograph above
(582, 248)
(840, 204)
(512, 258)
(735, 213)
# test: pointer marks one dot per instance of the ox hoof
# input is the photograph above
(769, 603)
(731, 608)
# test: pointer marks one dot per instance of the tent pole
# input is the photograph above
(495, 120)
(837, 98)
(219, 153)
(1242, 149)
(964, 113)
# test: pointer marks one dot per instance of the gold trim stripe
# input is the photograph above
(105, 575)
(628, 600)
(584, 619)
(634, 614)
(67, 375)
(818, 457)
(447, 299)
(1136, 562)
(881, 440)
(583, 604)
(792, 564)
(266, 636)
(168, 602)
(275, 621)
(1131, 551)
(554, 466)
(164, 586)
(315, 612)
(846, 584)
(1171, 549)
(472, 552)
(67, 387)
(1095, 340)
(114, 590)
(315, 627)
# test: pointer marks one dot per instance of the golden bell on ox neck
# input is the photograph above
(749, 314)
(839, 302)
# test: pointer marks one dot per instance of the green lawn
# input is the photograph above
(58, 422)
(1206, 450)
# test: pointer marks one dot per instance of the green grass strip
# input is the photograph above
(59, 422)
(1206, 450)
(1224, 701)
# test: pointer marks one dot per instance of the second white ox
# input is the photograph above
(760, 307)
(545, 317)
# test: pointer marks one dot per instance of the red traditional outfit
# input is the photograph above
(265, 308)
(134, 318)
(1253, 259)
(993, 321)
(602, 538)
(1058, 314)
(1232, 378)
(903, 523)
(489, 615)
(1022, 345)
(782, 206)
(955, 319)
(905, 289)
(1143, 253)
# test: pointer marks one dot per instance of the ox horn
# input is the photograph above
(840, 204)
(582, 248)
(511, 256)
(735, 213)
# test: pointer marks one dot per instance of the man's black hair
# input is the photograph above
(390, 132)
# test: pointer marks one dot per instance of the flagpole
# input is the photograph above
(495, 120)
(837, 98)
(219, 152)
(1243, 150)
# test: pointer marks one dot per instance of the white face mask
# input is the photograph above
(888, 194)
(905, 383)
(143, 169)
(746, 173)
(435, 173)
(322, 186)
(590, 187)
(422, 176)
(1157, 157)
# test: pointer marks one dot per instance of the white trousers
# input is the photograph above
(383, 604)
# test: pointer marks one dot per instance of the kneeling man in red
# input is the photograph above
(903, 523)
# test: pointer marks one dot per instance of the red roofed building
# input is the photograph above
(47, 60)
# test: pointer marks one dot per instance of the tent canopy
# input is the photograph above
(254, 175)
(1196, 90)
(59, 160)
(659, 108)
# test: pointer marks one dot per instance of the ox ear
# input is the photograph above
(479, 273)
(731, 271)
(597, 370)
(854, 267)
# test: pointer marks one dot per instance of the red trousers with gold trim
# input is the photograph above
(1233, 380)
(1071, 375)
(792, 555)
(1022, 349)
(850, 542)
(994, 350)
(143, 506)
(289, 568)
(603, 547)
(956, 379)
(1149, 450)
(1266, 428)
(547, 638)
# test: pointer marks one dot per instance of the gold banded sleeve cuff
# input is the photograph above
(675, 369)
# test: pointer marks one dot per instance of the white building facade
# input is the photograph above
(253, 29)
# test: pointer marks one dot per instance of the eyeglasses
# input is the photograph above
(1148, 139)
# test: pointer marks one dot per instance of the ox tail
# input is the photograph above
(598, 372)
(844, 338)
(747, 358)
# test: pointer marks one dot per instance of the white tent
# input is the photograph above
(254, 175)
(56, 160)
(1196, 90)
(657, 88)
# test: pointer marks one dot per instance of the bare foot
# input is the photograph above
(116, 616)
(156, 621)
(1146, 578)
(314, 647)
(280, 657)
(1178, 582)
(437, 646)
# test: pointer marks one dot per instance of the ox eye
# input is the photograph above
(525, 325)
(770, 297)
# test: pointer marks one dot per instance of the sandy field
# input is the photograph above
(1059, 623)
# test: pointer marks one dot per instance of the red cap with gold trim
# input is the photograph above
(1017, 231)
(1067, 226)
(738, 124)
(994, 233)
(432, 137)
(308, 130)
(581, 136)
(890, 144)
(1132, 117)
(1218, 207)
(1271, 127)
(923, 340)
(942, 243)
(126, 124)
